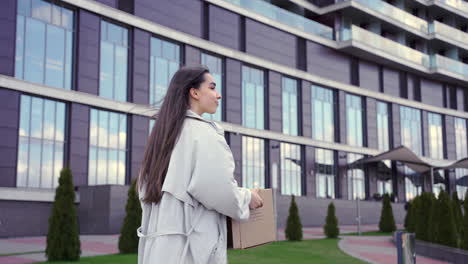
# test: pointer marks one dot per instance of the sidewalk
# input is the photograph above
(371, 249)
(376, 249)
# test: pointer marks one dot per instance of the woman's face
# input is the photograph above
(208, 96)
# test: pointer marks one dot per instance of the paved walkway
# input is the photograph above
(367, 248)
(376, 249)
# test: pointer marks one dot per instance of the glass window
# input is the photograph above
(322, 114)
(41, 142)
(215, 65)
(252, 98)
(436, 147)
(253, 162)
(325, 173)
(107, 148)
(439, 182)
(461, 152)
(356, 179)
(382, 126)
(290, 106)
(411, 129)
(410, 119)
(291, 169)
(151, 125)
(113, 62)
(354, 125)
(44, 43)
(164, 62)
(384, 177)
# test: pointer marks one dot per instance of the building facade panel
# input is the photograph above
(140, 76)
(8, 37)
(224, 27)
(139, 136)
(371, 123)
(79, 141)
(88, 53)
(9, 120)
(369, 75)
(306, 109)
(111, 3)
(269, 43)
(233, 92)
(432, 92)
(17, 222)
(310, 173)
(274, 106)
(328, 63)
(391, 82)
(192, 56)
(181, 15)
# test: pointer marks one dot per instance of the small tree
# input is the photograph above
(412, 216)
(331, 228)
(294, 227)
(434, 221)
(447, 230)
(408, 215)
(457, 213)
(63, 240)
(128, 240)
(423, 210)
(465, 223)
(387, 221)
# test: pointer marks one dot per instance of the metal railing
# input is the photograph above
(285, 17)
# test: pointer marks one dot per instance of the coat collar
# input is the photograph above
(194, 115)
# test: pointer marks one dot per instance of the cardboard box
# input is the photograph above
(259, 229)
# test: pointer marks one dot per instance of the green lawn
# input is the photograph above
(308, 251)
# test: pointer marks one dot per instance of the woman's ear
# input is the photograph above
(194, 93)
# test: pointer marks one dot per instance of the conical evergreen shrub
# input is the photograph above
(464, 244)
(446, 228)
(434, 221)
(294, 227)
(408, 215)
(331, 228)
(63, 240)
(412, 218)
(387, 221)
(128, 240)
(457, 213)
(423, 210)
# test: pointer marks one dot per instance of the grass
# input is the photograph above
(320, 251)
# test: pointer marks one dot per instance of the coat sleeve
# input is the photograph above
(212, 182)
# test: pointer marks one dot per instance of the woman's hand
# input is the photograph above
(256, 201)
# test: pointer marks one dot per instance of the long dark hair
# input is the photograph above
(168, 125)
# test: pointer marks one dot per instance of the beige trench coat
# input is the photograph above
(188, 225)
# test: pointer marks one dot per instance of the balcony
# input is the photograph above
(285, 17)
(450, 33)
(439, 62)
(396, 14)
(458, 5)
(380, 46)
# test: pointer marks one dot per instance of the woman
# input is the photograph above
(186, 182)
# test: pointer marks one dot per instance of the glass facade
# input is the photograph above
(436, 147)
(107, 148)
(461, 152)
(253, 109)
(356, 179)
(253, 162)
(41, 142)
(325, 173)
(322, 114)
(291, 169)
(113, 62)
(290, 106)
(384, 175)
(383, 138)
(44, 43)
(215, 65)
(165, 60)
(411, 137)
(354, 124)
